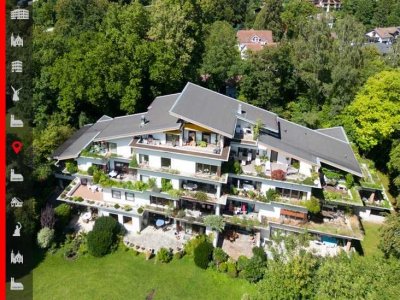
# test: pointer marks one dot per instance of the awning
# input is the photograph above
(196, 128)
(176, 132)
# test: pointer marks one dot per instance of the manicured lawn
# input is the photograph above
(371, 239)
(122, 275)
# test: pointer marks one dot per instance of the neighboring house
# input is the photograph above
(202, 153)
(327, 5)
(386, 35)
(253, 40)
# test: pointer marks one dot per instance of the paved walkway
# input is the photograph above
(151, 238)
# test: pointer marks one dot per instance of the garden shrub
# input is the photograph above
(91, 170)
(63, 214)
(166, 185)
(203, 254)
(140, 210)
(308, 181)
(99, 242)
(164, 255)
(107, 224)
(133, 163)
(71, 167)
(260, 253)
(45, 237)
(223, 267)
(237, 168)
(231, 269)
(349, 181)
(313, 205)
(193, 243)
(116, 206)
(242, 262)
(201, 196)
(271, 195)
(278, 174)
(219, 256)
(178, 255)
(254, 269)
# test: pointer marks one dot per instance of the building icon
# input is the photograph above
(17, 258)
(16, 286)
(17, 41)
(20, 14)
(16, 66)
(16, 202)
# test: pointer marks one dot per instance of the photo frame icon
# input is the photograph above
(15, 122)
(14, 177)
(16, 286)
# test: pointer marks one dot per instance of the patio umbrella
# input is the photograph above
(243, 207)
(160, 222)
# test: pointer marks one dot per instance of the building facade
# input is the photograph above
(199, 153)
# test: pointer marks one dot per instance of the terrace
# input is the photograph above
(236, 242)
(100, 150)
(332, 223)
(342, 195)
(92, 196)
(374, 197)
(201, 149)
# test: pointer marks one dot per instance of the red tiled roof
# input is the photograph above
(386, 32)
(245, 36)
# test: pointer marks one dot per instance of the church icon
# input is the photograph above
(17, 258)
(16, 41)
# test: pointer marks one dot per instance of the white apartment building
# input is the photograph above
(199, 153)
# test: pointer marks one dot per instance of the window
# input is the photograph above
(206, 138)
(143, 158)
(112, 147)
(129, 196)
(274, 156)
(207, 169)
(165, 162)
(116, 194)
(171, 138)
(121, 167)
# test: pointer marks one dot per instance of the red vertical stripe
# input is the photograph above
(2, 150)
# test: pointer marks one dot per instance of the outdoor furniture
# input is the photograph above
(86, 217)
(190, 186)
(248, 187)
(160, 222)
(93, 188)
(113, 174)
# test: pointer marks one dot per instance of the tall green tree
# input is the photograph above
(269, 17)
(394, 163)
(267, 78)
(295, 14)
(375, 113)
(221, 57)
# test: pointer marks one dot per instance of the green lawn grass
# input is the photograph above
(371, 239)
(122, 275)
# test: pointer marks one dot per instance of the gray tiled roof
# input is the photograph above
(335, 132)
(125, 126)
(313, 146)
(79, 141)
(217, 112)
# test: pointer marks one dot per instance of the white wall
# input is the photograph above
(154, 161)
(183, 166)
(85, 162)
(140, 199)
(305, 168)
(123, 148)
(267, 210)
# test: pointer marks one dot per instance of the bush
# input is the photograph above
(178, 255)
(202, 144)
(231, 269)
(278, 175)
(140, 210)
(222, 267)
(127, 207)
(63, 214)
(219, 256)
(71, 167)
(308, 181)
(166, 185)
(215, 222)
(193, 243)
(99, 242)
(271, 195)
(164, 255)
(151, 183)
(203, 254)
(45, 237)
(242, 262)
(175, 193)
(107, 224)
(91, 170)
(254, 269)
(349, 181)
(201, 196)
(313, 205)
(237, 168)
(133, 163)
(260, 253)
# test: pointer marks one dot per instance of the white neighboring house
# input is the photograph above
(253, 40)
(327, 5)
(384, 35)
(188, 148)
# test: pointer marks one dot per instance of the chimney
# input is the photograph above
(239, 111)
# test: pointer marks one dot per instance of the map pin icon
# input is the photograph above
(16, 146)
